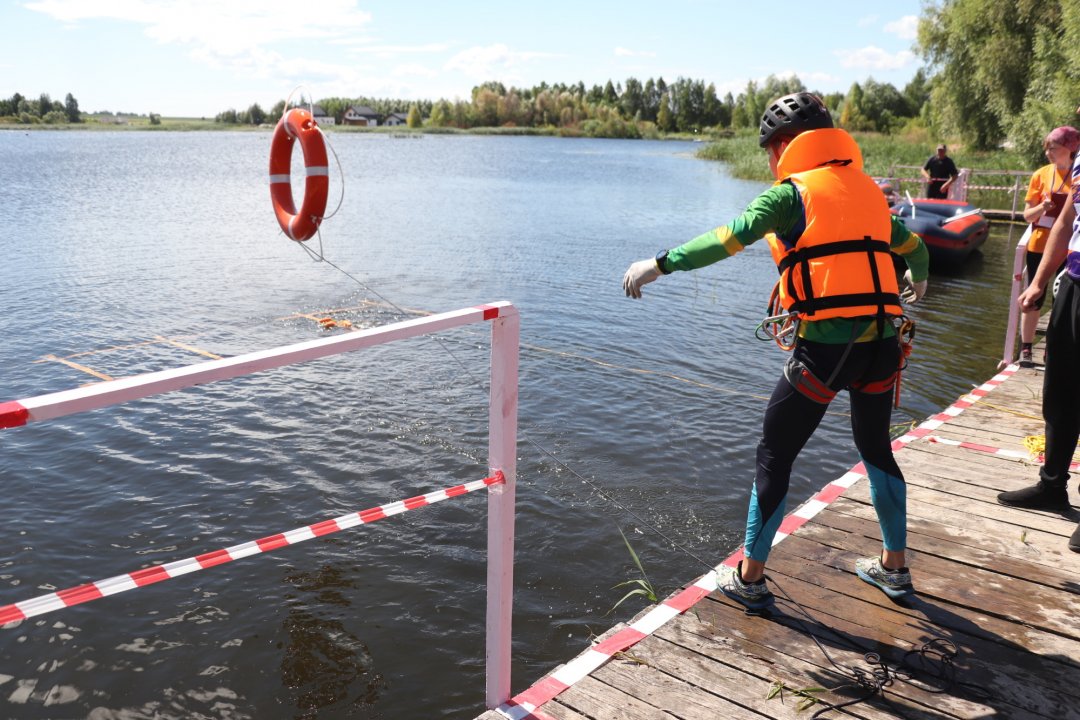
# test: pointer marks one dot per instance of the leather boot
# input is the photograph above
(1039, 496)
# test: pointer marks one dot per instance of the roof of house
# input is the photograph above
(362, 110)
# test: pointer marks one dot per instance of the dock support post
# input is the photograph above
(502, 456)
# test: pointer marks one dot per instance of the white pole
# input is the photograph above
(1014, 309)
(502, 456)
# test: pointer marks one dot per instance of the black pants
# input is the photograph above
(1061, 384)
(793, 415)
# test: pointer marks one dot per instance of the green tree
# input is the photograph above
(256, 115)
(413, 120)
(71, 109)
(610, 96)
(664, 121)
(980, 54)
(633, 98)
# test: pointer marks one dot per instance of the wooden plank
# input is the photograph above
(1004, 668)
(662, 690)
(1041, 551)
(963, 588)
(601, 700)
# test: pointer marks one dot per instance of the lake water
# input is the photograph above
(118, 242)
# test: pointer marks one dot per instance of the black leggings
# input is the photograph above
(1061, 384)
(793, 416)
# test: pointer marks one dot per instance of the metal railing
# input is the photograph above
(996, 191)
(502, 434)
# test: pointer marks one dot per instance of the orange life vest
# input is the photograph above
(839, 266)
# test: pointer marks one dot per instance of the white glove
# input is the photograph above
(640, 273)
(913, 291)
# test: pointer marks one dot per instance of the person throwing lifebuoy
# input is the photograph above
(831, 234)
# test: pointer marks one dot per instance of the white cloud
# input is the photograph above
(491, 62)
(210, 27)
(874, 58)
(413, 70)
(395, 50)
(623, 52)
(906, 28)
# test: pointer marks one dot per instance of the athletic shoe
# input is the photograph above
(1026, 359)
(894, 583)
(1074, 541)
(753, 596)
(1039, 496)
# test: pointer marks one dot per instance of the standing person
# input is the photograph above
(939, 171)
(830, 232)
(1044, 201)
(1061, 382)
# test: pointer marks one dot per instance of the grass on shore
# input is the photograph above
(897, 156)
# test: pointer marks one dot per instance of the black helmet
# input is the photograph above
(792, 114)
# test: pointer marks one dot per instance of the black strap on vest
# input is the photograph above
(810, 304)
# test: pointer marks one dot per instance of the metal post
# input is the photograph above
(502, 456)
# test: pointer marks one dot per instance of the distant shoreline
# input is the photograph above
(203, 125)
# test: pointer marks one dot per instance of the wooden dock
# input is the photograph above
(999, 584)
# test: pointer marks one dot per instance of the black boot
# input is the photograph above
(1038, 497)
(1074, 541)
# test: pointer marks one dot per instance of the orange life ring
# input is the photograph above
(297, 124)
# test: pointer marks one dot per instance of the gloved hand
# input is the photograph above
(640, 273)
(913, 291)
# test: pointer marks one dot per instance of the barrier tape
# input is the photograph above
(524, 706)
(156, 573)
(990, 449)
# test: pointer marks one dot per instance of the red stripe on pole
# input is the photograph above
(80, 594)
(455, 491)
(325, 527)
(211, 559)
(13, 414)
(10, 613)
(271, 542)
(149, 576)
(372, 514)
(490, 313)
(415, 502)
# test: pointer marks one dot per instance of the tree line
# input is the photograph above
(43, 109)
(627, 109)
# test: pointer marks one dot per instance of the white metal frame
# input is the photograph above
(1018, 284)
(502, 433)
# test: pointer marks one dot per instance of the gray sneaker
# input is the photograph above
(894, 583)
(753, 596)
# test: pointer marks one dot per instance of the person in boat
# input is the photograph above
(831, 234)
(940, 172)
(1061, 382)
(1044, 201)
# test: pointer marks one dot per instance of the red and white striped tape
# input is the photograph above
(156, 573)
(524, 706)
(990, 449)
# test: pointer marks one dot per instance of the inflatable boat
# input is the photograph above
(951, 229)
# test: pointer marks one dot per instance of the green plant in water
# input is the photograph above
(642, 585)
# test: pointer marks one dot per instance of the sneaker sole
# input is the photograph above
(764, 604)
(894, 593)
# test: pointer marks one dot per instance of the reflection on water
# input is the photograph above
(132, 252)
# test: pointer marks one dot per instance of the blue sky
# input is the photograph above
(199, 57)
